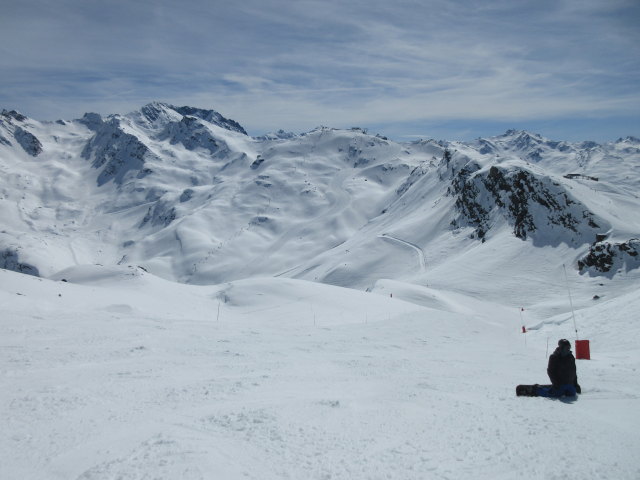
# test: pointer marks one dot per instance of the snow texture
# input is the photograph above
(115, 373)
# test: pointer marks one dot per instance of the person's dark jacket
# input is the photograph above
(562, 368)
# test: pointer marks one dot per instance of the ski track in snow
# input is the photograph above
(413, 246)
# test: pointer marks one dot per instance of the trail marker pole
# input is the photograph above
(582, 346)
(524, 329)
(218, 316)
(575, 327)
(546, 355)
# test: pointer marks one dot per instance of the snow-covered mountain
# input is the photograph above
(188, 195)
(171, 304)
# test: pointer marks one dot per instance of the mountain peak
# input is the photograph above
(279, 135)
(628, 139)
(514, 139)
(164, 113)
(13, 114)
(211, 116)
(159, 112)
(512, 132)
(92, 120)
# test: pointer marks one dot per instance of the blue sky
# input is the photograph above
(406, 69)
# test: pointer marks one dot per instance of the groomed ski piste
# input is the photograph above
(116, 373)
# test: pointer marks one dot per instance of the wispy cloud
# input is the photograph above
(279, 64)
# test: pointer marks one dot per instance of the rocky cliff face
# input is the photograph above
(10, 260)
(532, 204)
(192, 133)
(212, 117)
(116, 153)
(28, 142)
(12, 123)
(609, 258)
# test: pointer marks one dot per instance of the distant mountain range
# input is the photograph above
(186, 194)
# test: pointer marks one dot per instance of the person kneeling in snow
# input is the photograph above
(562, 372)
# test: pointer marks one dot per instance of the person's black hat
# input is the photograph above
(564, 343)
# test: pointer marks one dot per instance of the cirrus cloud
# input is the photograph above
(402, 66)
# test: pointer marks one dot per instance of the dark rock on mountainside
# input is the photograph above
(279, 135)
(192, 133)
(28, 142)
(93, 121)
(161, 214)
(9, 120)
(9, 260)
(257, 162)
(115, 152)
(13, 115)
(211, 116)
(527, 201)
(606, 257)
(187, 195)
(161, 114)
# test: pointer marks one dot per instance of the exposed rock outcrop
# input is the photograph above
(530, 203)
(116, 153)
(10, 260)
(608, 258)
(28, 142)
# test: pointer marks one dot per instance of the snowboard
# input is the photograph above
(529, 390)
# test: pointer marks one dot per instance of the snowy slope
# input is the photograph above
(119, 374)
